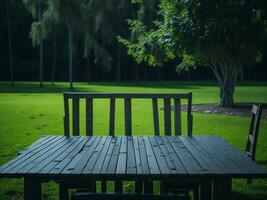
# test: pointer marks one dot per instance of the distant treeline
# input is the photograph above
(26, 58)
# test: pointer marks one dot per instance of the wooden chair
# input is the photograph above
(107, 196)
(253, 133)
(75, 98)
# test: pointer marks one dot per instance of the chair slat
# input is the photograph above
(76, 115)
(128, 116)
(125, 196)
(254, 109)
(177, 116)
(66, 117)
(89, 116)
(253, 131)
(112, 116)
(167, 116)
(155, 116)
(189, 116)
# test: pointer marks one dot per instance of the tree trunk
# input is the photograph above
(88, 69)
(41, 47)
(54, 58)
(10, 50)
(70, 58)
(226, 74)
(119, 63)
(227, 95)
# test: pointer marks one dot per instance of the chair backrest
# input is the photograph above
(253, 131)
(123, 196)
(89, 97)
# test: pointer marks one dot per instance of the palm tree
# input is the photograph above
(10, 50)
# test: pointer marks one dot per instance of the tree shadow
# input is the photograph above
(33, 87)
(247, 196)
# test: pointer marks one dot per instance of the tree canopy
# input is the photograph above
(224, 35)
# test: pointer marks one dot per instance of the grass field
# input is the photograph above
(27, 112)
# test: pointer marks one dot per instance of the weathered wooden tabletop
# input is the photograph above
(131, 157)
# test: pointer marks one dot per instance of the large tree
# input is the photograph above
(224, 35)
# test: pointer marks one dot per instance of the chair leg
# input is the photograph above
(63, 192)
(138, 187)
(163, 187)
(103, 186)
(148, 187)
(196, 193)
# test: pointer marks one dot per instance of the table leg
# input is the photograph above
(222, 189)
(32, 189)
(205, 190)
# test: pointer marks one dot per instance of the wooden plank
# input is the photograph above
(29, 151)
(75, 116)
(78, 160)
(45, 165)
(238, 158)
(218, 156)
(202, 157)
(126, 95)
(189, 162)
(108, 156)
(121, 165)
(177, 117)
(128, 196)
(114, 157)
(96, 153)
(131, 160)
(179, 167)
(89, 116)
(189, 115)
(167, 116)
(152, 162)
(66, 117)
(162, 163)
(155, 116)
(128, 116)
(137, 155)
(36, 164)
(32, 189)
(100, 160)
(112, 116)
(31, 157)
(165, 154)
(143, 156)
(64, 157)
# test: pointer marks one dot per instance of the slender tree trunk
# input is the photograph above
(226, 74)
(71, 58)
(41, 46)
(159, 76)
(88, 69)
(54, 58)
(10, 50)
(119, 63)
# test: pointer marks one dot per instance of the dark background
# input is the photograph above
(26, 58)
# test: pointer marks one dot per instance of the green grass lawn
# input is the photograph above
(27, 112)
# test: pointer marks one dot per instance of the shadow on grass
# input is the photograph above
(247, 196)
(33, 87)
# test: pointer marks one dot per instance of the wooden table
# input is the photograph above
(202, 158)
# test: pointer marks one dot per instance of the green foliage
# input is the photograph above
(233, 29)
